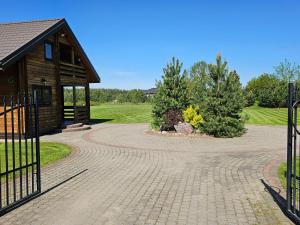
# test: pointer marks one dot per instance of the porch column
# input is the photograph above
(74, 103)
(87, 101)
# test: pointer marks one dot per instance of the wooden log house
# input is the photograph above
(45, 56)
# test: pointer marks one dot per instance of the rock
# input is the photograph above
(164, 132)
(184, 128)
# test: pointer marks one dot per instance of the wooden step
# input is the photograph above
(75, 125)
(80, 128)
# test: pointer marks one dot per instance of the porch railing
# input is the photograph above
(78, 114)
(72, 70)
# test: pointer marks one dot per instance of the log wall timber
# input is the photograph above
(9, 123)
(37, 69)
(9, 81)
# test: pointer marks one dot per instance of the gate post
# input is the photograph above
(289, 145)
(37, 141)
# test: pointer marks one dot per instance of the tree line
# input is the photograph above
(102, 95)
(271, 89)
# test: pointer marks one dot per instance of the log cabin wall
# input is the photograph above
(40, 71)
(56, 74)
(9, 81)
(9, 87)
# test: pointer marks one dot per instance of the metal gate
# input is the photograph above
(20, 174)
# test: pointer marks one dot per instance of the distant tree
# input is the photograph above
(136, 96)
(287, 71)
(171, 94)
(269, 90)
(250, 97)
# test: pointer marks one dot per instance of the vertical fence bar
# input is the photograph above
(294, 160)
(31, 141)
(13, 146)
(6, 153)
(37, 141)
(1, 179)
(20, 146)
(289, 145)
(26, 144)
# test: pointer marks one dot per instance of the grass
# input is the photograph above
(281, 174)
(141, 113)
(121, 113)
(266, 116)
(50, 152)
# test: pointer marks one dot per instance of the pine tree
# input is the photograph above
(224, 102)
(171, 93)
(197, 83)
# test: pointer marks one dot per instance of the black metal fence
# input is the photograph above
(20, 174)
(293, 153)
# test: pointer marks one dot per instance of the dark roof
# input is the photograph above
(16, 39)
(150, 91)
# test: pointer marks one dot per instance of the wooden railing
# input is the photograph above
(81, 114)
(67, 69)
(78, 114)
(69, 113)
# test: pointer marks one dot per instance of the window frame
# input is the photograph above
(41, 88)
(52, 50)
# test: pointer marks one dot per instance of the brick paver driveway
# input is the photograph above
(126, 176)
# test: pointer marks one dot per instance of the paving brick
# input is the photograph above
(133, 177)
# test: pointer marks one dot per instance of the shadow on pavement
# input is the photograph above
(279, 200)
(97, 121)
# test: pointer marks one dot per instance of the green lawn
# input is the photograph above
(141, 113)
(281, 174)
(50, 152)
(266, 116)
(121, 113)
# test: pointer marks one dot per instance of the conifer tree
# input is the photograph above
(224, 103)
(171, 93)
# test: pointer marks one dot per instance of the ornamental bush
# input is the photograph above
(192, 116)
(172, 117)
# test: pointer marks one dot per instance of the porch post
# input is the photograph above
(58, 87)
(74, 104)
(87, 101)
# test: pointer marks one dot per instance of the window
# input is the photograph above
(44, 94)
(65, 52)
(48, 50)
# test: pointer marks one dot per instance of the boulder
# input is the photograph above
(184, 128)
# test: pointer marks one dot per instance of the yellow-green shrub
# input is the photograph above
(192, 116)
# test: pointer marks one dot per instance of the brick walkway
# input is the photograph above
(130, 177)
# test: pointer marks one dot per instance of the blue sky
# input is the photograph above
(129, 42)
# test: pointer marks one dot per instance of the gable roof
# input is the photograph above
(16, 39)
